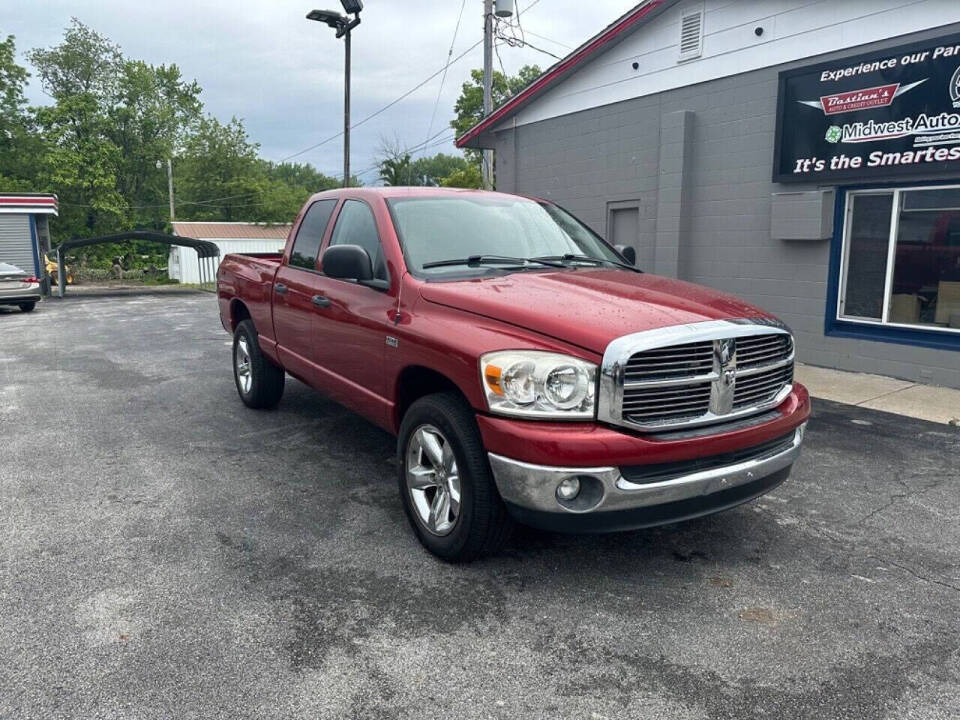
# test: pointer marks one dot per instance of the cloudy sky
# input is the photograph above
(260, 60)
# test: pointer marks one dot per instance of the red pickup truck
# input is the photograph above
(529, 371)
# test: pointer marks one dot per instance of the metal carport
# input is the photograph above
(206, 251)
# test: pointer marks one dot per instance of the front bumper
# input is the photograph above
(640, 480)
(609, 500)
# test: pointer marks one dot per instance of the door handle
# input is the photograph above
(280, 288)
(320, 301)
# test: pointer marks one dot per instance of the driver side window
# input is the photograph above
(356, 226)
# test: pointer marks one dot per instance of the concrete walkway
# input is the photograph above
(877, 392)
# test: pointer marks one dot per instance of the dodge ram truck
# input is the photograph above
(530, 371)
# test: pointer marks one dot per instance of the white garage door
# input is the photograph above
(16, 242)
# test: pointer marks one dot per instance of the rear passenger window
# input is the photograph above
(310, 234)
(356, 226)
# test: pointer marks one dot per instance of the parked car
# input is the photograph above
(18, 287)
(529, 371)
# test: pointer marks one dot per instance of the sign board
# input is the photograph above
(886, 114)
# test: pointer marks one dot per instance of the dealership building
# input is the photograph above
(804, 156)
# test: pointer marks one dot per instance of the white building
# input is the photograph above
(230, 237)
(24, 234)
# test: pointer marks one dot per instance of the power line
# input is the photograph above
(179, 203)
(544, 37)
(515, 42)
(428, 144)
(443, 79)
(388, 105)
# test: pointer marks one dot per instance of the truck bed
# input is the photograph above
(249, 276)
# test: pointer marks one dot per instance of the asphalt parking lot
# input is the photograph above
(167, 553)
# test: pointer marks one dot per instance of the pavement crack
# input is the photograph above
(918, 576)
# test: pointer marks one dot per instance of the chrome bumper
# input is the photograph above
(534, 487)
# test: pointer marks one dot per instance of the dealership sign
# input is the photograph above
(888, 114)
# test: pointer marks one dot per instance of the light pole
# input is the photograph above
(169, 184)
(343, 25)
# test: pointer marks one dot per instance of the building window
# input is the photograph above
(901, 258)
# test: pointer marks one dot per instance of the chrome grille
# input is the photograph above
(673, 361)
(762, 387)
(728, 370)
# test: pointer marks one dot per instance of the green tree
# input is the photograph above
(110, 120)
(81, 74)
(18, 143)
(148, 122)
(218, 176)
(397, 170)
(432, 169)
(467, 177)
(469, 106)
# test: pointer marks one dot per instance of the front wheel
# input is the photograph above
(446, 485)
(259, 382)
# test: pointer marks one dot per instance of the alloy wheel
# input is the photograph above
(433, 480)
(242, 360)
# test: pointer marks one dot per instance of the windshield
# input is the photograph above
(435, 229)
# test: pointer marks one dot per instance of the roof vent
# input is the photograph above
(691, 34)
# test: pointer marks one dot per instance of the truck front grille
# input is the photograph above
(738, 370)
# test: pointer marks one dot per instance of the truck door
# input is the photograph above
(352, 321)
(296, 284)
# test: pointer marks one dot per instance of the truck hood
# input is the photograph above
(587, 307)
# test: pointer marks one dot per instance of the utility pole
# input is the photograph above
(170, 187)
(487, 165)
(346, 108)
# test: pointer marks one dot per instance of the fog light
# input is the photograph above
(568, 489)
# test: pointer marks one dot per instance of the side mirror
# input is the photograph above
(628, 252)
(347, 262)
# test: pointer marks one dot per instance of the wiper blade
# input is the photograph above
(474, 260)
(570, 257)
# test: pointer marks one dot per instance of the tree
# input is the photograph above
(81, 74)
(109, 122)
(432, 169)
(218, 175)
(18, 144)
(396, 171)
(469, 106)
(467, 177)
(148, 121)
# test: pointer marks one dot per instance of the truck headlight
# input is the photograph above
(531, 383)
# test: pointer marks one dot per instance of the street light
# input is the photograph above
(343, 25)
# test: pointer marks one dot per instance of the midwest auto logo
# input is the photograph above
(865, 99)
(924, 126)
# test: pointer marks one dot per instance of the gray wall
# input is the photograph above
(697, 162)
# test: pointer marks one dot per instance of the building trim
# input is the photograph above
(43, 204)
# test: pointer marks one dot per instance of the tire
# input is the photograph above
(481, 524)
(27, 306)
(261, 386)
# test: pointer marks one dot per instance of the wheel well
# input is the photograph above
(238, 313)
(416, 382)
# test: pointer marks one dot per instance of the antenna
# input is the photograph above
(396, 315)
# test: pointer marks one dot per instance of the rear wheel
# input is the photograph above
(27, 306)
(259, 382)
(445, 482)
